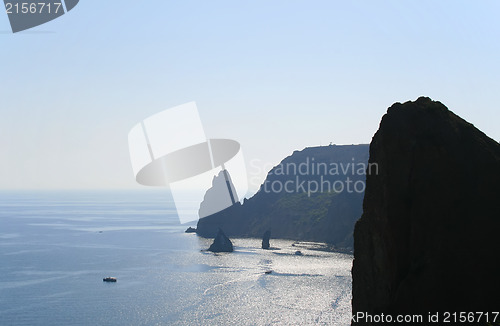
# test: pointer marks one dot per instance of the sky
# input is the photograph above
(276, 76)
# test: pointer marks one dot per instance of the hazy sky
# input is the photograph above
(274, 75)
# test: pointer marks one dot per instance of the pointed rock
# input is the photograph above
(221, 243)
(265, 239)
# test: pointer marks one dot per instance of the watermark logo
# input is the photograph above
(310, 176)
(204, 175)
(26, 14)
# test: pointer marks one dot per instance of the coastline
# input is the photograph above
(299, 244)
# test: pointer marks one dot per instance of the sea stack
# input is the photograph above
(265, 239)
(221, 243)
(428, 236)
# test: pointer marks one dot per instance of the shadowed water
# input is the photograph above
(55, 248)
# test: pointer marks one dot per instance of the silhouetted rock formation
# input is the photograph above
(218, 195)
(265, 239)
(190, 230)
(429, 232)
(324, 216)
(221, 243)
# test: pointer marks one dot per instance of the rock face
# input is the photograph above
(190, 230)
(218, 195)
(221, 243)
(429, 232)
(293, 213)
(265, 239)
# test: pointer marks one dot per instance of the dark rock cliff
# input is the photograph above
(318, 215)
(428, 237)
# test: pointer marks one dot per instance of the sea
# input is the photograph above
(57, 246)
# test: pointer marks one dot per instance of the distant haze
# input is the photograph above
(274, 75)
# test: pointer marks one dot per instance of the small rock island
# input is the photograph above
(265, 239)
(221, 243)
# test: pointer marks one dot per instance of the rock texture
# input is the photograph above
(221, 243)
(321, 216)
(218, 196)
(265, 239)
(428, 237)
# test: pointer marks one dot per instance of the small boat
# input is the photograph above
(109, 279)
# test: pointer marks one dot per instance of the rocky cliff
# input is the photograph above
(315, 194)
(428, 237)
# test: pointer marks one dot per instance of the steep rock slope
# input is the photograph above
(293, 204)
(428, 237)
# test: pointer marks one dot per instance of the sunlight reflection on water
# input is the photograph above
(52, 269)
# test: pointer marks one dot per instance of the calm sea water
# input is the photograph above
(55, 248)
